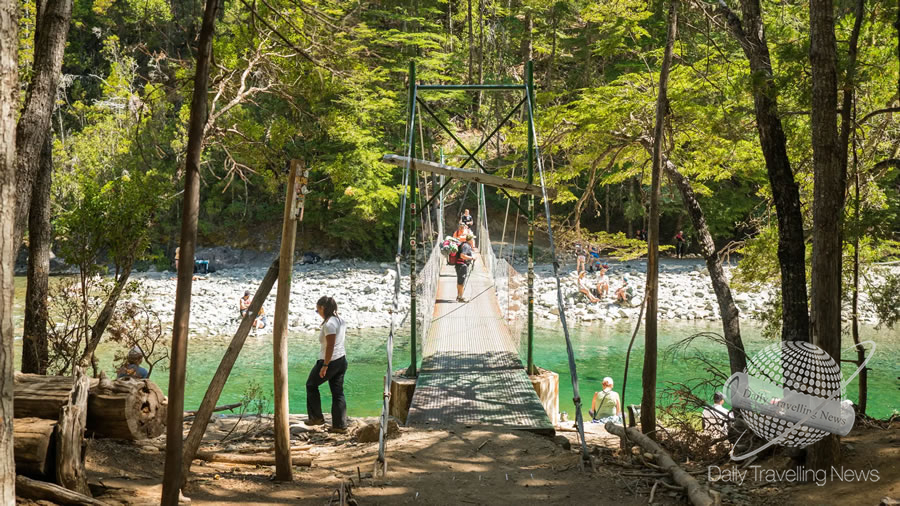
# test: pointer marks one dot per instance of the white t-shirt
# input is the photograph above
(335, 325)
(602, 278)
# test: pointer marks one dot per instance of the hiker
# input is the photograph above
(244, 303)
(463, 258)
(715, 418)
(467, 219)
(624, 292)
(603, 281)
(330, 367)
(580, 257)
(177, 249)
(132, 367)
(583, 287)
(461, 232)
(680, 244)
(606, 406)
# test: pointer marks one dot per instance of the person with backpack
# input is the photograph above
(331, 367)
(606, 406)
(462, 259)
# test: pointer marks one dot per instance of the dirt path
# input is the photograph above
(463, 465)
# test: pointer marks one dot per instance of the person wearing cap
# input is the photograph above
(715, 418)
(244, 303)
(132, 367)
(603, 281)
(606, 406)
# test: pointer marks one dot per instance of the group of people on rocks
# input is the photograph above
(600, 288)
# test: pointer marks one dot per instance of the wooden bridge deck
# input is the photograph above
(471, 373)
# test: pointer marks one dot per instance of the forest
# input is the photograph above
(764, 130)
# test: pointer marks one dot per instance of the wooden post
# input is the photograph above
(70, 472)
(283, 470)
(217, 384)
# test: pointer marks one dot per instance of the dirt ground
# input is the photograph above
(462, 465)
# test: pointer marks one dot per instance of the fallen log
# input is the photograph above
(698, 495)
(216, 409)
(35, 446)
(125, 409)
(70, 472)
(40, 490)
(262, 460)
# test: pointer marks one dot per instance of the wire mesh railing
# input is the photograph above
(426, 292)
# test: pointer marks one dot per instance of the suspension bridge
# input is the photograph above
(471, 371)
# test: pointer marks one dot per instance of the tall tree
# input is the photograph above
(751, 35)
(829, 187)
(172, 477)
(37, 288)
(9, 104)
(731, 320)
(648, 397)
(51, 31)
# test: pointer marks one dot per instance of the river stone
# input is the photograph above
(369, 433)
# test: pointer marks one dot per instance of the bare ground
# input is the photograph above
(462, 465)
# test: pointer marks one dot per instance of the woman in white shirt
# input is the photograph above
(330, 367)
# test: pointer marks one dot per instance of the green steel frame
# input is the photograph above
(412, 181)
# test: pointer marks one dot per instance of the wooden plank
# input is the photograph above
(468, 175)
(283, 470)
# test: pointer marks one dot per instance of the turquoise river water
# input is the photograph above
(599, 351)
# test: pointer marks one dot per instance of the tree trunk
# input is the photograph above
(70, 472)
(526, 41)
(829, 185)
(648, 397)
(862, 401)
(35, 447)
(9, 105)
(785, 192)
(471, 42)
(175, 423)
(34, 123)
(480, 54)
(731, 321)
(107, 313)
(217, 383)
(34, 338)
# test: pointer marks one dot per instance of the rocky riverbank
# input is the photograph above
(365, 290)
(685, 293)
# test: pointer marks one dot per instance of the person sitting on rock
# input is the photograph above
(583, 288)
(606, 406)
(603, 281)
(244, 303)
(132, 367)
(715, 418)
(261, 320)
(624, 292)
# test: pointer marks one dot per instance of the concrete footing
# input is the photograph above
(402, 389)
(546, 384)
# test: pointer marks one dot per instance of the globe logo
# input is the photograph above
(790, 394)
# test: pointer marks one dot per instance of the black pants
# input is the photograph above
(461, 271)
(680, 249)
(335, 378)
